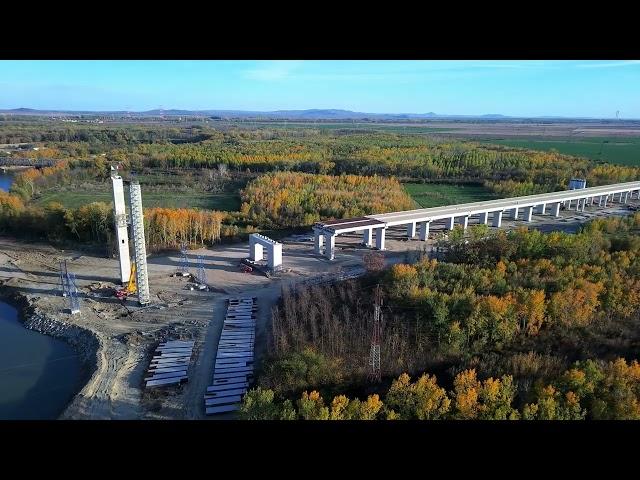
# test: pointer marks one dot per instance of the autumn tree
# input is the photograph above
(422, 400)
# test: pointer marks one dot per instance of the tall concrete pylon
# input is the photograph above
(120, 215)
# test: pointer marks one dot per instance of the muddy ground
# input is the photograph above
(128, 334)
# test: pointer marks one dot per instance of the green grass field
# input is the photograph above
(620, 150)
(427, 195)
(73, 199)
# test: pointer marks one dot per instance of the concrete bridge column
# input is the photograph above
(528, 212)
(590, 201)
(465, 222)
(411, 230)
(584, 204)
(556, 209)
(380, 232)
(515, 213)
(318, 241)
(366, 237)
(606, 198)
(600, 201)
(484, 218)
(449, 223)
(424, 231)
(256, 251)
(497, 219)
(626, 197)
(329, 250)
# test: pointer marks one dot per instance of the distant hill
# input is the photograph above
(311, 114)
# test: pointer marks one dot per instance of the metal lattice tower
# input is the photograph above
(139, 246)
(184, 263)
(375, 374)
(63, 278)
(202, 275)
(69, 288)
(74, 303)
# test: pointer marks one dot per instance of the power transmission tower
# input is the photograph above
(69, 288)
(74, 303)
(202, 275)
(184, 264)
(375, 374)
(63, 278)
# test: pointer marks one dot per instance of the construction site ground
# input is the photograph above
(128, 334)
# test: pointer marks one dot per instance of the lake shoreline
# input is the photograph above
(81, 340)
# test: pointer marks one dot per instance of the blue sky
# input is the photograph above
(519, 88)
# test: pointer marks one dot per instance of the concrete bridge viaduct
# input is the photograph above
(326, 232)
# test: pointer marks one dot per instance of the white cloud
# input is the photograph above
(273, 70)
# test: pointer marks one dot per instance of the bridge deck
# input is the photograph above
(463, 209)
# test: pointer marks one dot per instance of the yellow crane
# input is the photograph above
(131, 288)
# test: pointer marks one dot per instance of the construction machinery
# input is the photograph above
(130, 288)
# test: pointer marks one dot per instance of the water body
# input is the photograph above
(39, 375)
(5, 181)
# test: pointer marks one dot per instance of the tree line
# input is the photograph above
(594, 390)
(94, 223)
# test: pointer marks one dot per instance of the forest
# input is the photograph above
(594, 390)
(522, 304)
(282, 178)
(289, 199)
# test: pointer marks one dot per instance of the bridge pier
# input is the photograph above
(380, 233)
(366, 237)
(329, 250)
(465, 222)
(528, 212)
(449, 223)
(514, 215)
(541, 208)
(318, 241)
(497, 219)
(424, 231)
(411, 230)
(484, 218)
(556, 209)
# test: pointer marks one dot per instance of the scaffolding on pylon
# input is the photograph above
(139, 245)
(375, 374)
